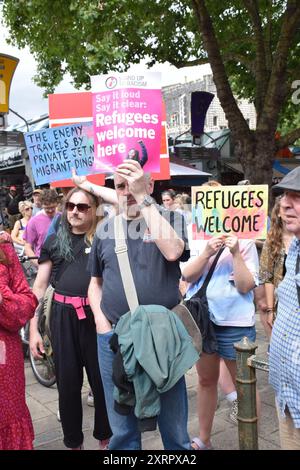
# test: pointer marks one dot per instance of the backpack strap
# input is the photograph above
(208, 277)
(124, 264)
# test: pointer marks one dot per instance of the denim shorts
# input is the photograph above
(228, 335)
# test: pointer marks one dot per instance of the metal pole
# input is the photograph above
(21, 117)
(246, 392)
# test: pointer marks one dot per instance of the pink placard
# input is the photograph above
(127, 115)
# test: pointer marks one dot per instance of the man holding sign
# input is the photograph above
(230, 289)
(155, 243)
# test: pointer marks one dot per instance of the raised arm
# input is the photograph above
(243, 278)
(107, 194)
(163, 234)
(194, 268)
(165, 237)
(144, 158)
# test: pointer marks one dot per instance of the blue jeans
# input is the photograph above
(172, 420)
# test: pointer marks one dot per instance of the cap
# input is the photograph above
(13, 188)
(290, 182)
(37, 191)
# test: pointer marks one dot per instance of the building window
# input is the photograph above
(215, 120)
(183, 111)
(174, 121)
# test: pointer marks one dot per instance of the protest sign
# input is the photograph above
(53, 152)
(127, 111)
(72, 108)
(230, 210)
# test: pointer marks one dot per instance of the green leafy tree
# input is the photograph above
(251, 45)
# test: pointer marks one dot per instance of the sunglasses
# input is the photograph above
(28, 208)
(81, 207)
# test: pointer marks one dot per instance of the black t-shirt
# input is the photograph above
(156, 279)
(68, 278)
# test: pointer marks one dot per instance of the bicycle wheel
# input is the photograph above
(43, 370)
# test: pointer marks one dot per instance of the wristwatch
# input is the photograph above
(147, 201)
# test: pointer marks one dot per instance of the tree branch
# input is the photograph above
(233, 114)
(261, 74)
(188, 63)
(268, 38)
(237, 58)
(288, 139)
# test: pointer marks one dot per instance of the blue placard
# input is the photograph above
(54, 152)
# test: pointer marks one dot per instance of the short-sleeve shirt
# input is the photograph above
(36, 231)
(69, 278)
(284, 359)
(156, 279)
(227, 306)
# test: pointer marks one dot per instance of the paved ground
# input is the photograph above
(42, 403)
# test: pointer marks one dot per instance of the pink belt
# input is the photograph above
(77, 302)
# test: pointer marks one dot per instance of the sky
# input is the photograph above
(26, 98)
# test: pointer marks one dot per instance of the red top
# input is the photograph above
(17, 305)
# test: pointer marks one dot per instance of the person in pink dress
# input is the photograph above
(17, 306)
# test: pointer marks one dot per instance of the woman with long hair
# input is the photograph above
(63, 262)
(231, 307)
(17, 305)
(272, 263)
(25, 208)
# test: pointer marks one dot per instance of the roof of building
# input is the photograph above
(35, 124)
(213, 139)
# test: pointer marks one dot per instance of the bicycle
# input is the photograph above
(29, 269)
(42, 368)
(30, 274)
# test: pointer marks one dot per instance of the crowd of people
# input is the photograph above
(75, 250)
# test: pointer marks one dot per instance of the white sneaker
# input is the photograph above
(90, 399)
